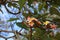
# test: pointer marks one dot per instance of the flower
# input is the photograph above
(30, 21)
(46, 22)
(53, 26)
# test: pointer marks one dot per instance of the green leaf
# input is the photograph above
(21, 3)
(38, 34)
(56, 19)
(12, 4)
(12, 19)
(37, 16)
(9, 4)
(35, 12)
(46, 6)
(39, 0)
(27, 14)
(46, 37)
(54, 11)
(57, 37)
(55, 2)
(22, 25)
(15, 5)
(30, 2)
(40, 7)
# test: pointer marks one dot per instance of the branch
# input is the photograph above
(11, 32)
(11, 37)
(2, 36)
(12, 12)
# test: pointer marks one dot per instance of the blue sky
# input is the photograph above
(6, 16)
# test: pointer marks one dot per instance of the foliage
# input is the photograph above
(22, 25)
(13, 19)
(21, 3)
(40, 26)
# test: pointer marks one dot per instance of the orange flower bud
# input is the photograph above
(30, 21)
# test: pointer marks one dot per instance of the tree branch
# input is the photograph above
(11, 32)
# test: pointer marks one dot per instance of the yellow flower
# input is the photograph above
(46, 22)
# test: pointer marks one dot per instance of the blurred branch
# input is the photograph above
(2, 36)
(11, 37)
(30, 38)
(11, 32)
(21, 30)
(12, 12)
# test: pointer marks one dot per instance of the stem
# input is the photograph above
(30, 38)
(5, 39)
(21, 30)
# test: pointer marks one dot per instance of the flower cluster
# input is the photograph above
(47, 24)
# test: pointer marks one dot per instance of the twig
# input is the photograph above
(30, 38)
(2, 36)
(11, 32)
